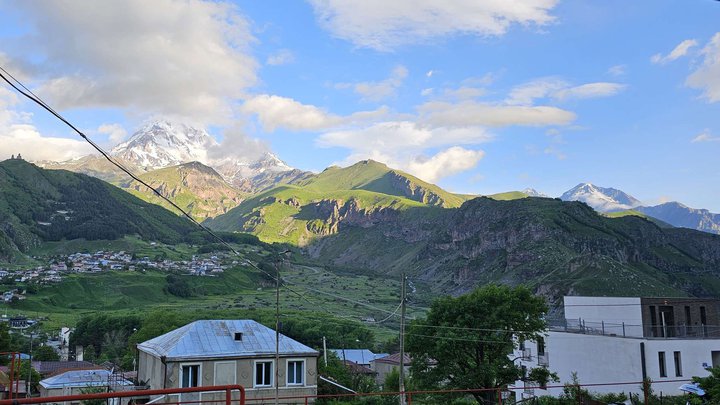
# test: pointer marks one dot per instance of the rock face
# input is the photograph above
(603, 199)
(196, 188)
(557, 247)
(679, 215)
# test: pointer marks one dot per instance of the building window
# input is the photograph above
(263, 373)
(540, 346)
(661, 363)
(678, 364)
(190, 375)
(295, 372)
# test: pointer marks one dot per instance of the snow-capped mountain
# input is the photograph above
(601, 198)
(162, 144)
(531, 192)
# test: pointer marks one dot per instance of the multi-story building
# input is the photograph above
(622, 340)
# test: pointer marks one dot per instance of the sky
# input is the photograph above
(478, 97)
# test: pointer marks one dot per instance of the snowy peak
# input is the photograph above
(602, 199)
(531, 192)
(161, 144)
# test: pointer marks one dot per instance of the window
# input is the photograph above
(295, 372)
(661, 363)
(678, 364)
(189, 375)
(263, 373)
(540, 346)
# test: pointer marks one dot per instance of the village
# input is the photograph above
(102, 261)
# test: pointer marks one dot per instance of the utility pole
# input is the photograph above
(325, 350)
(277, 333)
(402, 340)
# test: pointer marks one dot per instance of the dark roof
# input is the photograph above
(52, 367)
(393, 359)
(358, 368)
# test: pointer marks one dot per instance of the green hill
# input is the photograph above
(196, 188)
(375, 176)
(49, 205)
(619, 214)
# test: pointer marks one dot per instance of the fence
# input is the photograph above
(632, 330)
(141, 395)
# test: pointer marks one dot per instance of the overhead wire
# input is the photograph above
(37, 100)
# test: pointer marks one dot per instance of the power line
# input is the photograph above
(37, 100)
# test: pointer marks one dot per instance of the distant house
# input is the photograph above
(48, 368)
(362, 357)
(75, 381)
(385, 365)
(222, 352)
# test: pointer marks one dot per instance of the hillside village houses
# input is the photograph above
(624, 340)
(227, 352)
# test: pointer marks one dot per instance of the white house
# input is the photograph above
(621, 340)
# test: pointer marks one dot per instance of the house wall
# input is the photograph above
(676, 327)
(242, 373)
(383, 369)
(606, 359)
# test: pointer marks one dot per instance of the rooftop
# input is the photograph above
(206, 339)
(82, 378)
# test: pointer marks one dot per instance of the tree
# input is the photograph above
(466, 342)
(45, 353)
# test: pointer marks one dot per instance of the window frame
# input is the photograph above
(272, 373)
(662, 364)
(287, 372)
(182, 374)
(677, 357)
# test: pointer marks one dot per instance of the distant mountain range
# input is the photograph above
(610, 200)
(162, 152)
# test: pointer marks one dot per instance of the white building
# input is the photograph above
(621, 340)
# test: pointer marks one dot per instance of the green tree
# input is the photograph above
(466, 342)
(45, 353)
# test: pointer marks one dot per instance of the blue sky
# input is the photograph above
(478, 97)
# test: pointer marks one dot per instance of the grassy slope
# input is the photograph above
(620, 214)
(374, 176)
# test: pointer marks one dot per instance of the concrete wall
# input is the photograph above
(227, 372)
(607, 359)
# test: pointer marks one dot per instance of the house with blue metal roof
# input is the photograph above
(73, 382)
(226, 352)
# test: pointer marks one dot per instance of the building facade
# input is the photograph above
(227, 352)
(619, 341)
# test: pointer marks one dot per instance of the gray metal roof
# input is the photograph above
(83, 378)
(216, 339)
(359, 356)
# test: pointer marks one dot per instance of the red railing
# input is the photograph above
(13, 355)
(142, 393)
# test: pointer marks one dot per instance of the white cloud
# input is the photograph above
(282, 57)
(705, 136)
(115, 132)
(589, 90)
(679, 51)
(25, 139)
(464, 93)
(376, 91)
(429, 73)
(281, 112)
(399, 136)
(555, 152)
(427, 92)
(384, 25)
(707, 76)
(446, 163)
(185, 58)
(402, 144)
(470, 113)
(617, 70)
(527, 93)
